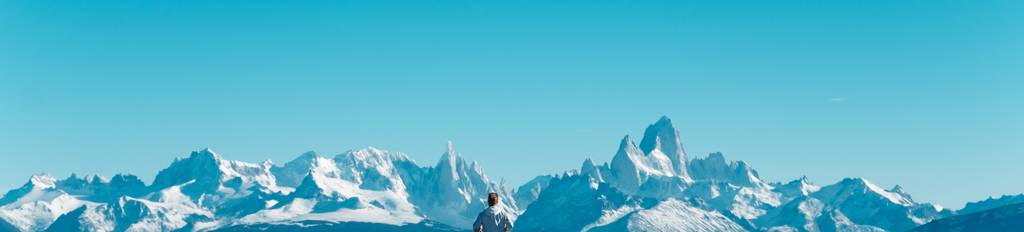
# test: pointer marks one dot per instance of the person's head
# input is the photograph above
(492, 199)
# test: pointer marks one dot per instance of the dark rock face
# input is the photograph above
(1006, 218)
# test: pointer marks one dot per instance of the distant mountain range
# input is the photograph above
(650, 186)
(1003, 218)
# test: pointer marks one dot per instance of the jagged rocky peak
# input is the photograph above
(803, 181)
(714, 167)
(308, 187)
(798, 187)
(624, 169)
(306, 156)
(588, 166)
(206, 154)
(42, 180)
(628, 152)
(203, 165)
(897, 189)
(663, 137)
(98, 188)
(631, 168)
(322, 166)
(860, 183)
(206, 172)
(626, 146)
(450, 156)
(849, 187)
(716, 158)
(453, 191)
(366, 153)
(38, 182)
(371, 157)
(452, 167)
(660, 154)
(527, 193)
(88, 179)
(377, 169)
(592, 170)
(292, 173)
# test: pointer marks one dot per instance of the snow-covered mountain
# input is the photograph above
(35, 205)
(357, 189)
(853, 203)
(647, 187)
(660, 159)
(644, 184)
(580, 202)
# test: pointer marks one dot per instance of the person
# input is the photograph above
(492, 219)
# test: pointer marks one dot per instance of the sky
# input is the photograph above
(925, 94)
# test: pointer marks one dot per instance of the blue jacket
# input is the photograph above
(492, 220)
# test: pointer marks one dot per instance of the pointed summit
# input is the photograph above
(206, 154)
(203, 166)
(309, 155)
(798, 187)
(897, 189)
(293, 172)
(629, 150)
(663, 137)
(626, 155)
(624, 169)
(42, 181)
(450, 155)
(589, 168)
(450, 149)
(588, 164)
(446, 167)
(859, 186)
(715, 167)
(625, 143)
(211, 172)
(661, 134)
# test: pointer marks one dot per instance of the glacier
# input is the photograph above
(647, 186)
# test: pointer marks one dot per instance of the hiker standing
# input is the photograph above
(492, 219)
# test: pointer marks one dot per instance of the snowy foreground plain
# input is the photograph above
(650, 186)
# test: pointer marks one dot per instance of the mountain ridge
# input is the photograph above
(644, 186)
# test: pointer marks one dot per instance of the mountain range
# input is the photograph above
(650, 186)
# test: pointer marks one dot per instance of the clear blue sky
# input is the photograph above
(926, 94)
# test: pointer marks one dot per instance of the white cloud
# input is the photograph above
(837, 99)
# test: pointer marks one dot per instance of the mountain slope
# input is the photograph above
(990, 203)
(573, 202)
(37, 204)
(7, 227)
(326, 195)
(672, 215)
(1005, 218)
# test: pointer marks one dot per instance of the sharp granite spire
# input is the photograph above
(447, 166)
(662, 137)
